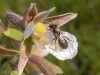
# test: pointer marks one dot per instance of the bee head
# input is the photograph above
(53, 26)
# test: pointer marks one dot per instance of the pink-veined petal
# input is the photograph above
(61, 19)
(42, 15)
(30, 14)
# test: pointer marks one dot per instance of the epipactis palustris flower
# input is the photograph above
(44, 37)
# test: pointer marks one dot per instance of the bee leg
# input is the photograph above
(68, 39)
(51, 44)
(55, 43)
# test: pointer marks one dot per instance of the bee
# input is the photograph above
(57, 32)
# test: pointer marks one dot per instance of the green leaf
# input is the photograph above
(14, 73)
(14, 33)
(9, 42)
(5, 69)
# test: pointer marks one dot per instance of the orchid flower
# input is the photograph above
(44, 37)
(37, 25)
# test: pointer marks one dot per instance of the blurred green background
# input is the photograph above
(86, 27)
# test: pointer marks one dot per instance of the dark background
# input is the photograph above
(86, 27)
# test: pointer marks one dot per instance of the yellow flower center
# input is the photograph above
(39, 28)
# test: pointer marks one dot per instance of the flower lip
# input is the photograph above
(67, 53)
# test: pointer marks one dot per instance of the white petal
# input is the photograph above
(70, 36)
(68, 53)
(28, 30)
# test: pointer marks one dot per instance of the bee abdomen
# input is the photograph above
(63, 43)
